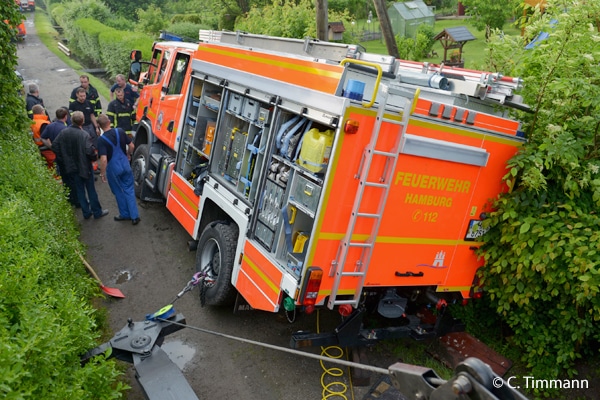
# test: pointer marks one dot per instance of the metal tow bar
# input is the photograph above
(139, 344)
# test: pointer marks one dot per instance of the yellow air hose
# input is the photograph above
(333, 388)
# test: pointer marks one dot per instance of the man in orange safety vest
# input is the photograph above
(40, 122)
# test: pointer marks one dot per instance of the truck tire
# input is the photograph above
(215, 256)
(139, 163)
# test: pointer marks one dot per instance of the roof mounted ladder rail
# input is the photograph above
(340, 267)
(308, 47)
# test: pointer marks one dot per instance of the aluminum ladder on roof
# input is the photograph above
(341, 268)
(307, 47)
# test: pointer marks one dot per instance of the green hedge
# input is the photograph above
(85, 39)
(107, 46)
(46, 315)
(115, 47)
(57, 13)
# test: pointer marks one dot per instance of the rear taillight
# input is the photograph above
(310, 289)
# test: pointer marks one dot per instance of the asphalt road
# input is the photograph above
(150, 263)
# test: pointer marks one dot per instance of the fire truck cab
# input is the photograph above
(314, 174)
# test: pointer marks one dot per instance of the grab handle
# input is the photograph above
(379, 74)
(408, 273)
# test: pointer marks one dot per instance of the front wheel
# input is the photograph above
(139, 164)
(215, 256)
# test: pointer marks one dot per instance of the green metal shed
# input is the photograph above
(406, 17)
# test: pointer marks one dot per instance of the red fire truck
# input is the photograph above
(315, 174)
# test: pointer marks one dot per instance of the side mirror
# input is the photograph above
(135, 68)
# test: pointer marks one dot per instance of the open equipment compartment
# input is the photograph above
(289, 199)
(199, 129)
(241, 141)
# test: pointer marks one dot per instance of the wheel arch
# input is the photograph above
(143, 133)
(212, 213)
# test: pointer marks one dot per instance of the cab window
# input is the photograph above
(178, 73)
(163, 65)
(153, 70)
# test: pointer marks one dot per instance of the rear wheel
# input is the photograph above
(139, 163)
(215, 257)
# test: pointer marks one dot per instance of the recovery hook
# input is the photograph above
(197, 278)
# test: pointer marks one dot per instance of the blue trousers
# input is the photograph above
(121, 185)
(87, 196)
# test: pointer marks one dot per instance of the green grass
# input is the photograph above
(473, 51)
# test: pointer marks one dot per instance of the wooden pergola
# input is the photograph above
(454, 38)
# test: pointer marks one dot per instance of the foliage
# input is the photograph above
(57, 14)
(187, 30)
(282, 18)
(66, 15)
(443, 7)
(418, 48)
(285, 18)
(87, 45)
(128, 8)
(120, 23)
(99, 44)
(150, 21)
(488, 15)
(46, 320)
(186, 18)
(93, 9)
(423, 41)
(405, 46)
(542, 250)
(116, 47)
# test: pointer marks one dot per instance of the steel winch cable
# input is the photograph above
(350, 364)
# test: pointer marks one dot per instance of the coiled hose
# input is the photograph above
(333, 387)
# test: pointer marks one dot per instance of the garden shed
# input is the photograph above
(406, 17)
(335, 30)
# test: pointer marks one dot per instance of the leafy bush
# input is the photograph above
(187, 30)
(186, 18)
(405, 47)
(120, 23)
(423, 41)
(46, 318)
(87, 45)
(77, 9)
(82, 38)
(285, 19)
(151, 20)
(416, 48)
(542, 250)
(57, 14)
(115, 47)
(282, 18)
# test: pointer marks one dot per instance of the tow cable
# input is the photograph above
(139, 343)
